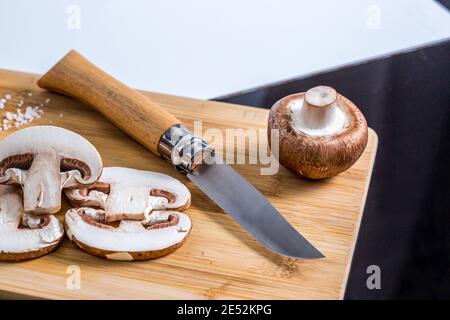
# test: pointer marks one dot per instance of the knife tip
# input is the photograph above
(309, 257)
(318, 256)
(313, 253)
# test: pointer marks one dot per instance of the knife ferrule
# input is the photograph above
(184, 150)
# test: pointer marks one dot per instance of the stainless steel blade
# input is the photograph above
(248, 207)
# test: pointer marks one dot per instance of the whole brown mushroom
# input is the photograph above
(321, 133)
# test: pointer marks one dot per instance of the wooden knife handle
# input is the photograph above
(128, 109)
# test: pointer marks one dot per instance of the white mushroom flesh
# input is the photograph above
(42, 182)
(155, 217)
(31, 238)
(318, 113)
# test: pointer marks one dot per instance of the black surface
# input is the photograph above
(406, 223)
(445, 3)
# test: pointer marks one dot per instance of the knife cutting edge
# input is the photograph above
(165, 136)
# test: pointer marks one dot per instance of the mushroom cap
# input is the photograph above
(19, 242)
(129, 215)
(44, 160)
(322, 155)
(74, 150)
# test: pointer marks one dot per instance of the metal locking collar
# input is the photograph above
(184, 150)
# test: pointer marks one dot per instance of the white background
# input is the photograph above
(208, 48)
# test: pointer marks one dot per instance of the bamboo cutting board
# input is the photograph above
(219, 260)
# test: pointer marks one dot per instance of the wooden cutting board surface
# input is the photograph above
(219, 260)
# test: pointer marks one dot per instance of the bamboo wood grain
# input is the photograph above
(219, 260)
(128, 109)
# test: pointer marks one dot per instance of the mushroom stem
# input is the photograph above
(319, 114)
(42, 185)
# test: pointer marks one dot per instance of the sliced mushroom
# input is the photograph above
(24, 236)
(321, 133)
(129, 215)
(125, 193)
(45, 159)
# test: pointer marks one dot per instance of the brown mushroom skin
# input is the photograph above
(318, 157)
(136, 256)
(24, 256)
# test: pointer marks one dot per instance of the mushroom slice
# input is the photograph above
(321, 133)
(129, 215)
(131, 239)
(125, 193)
(45, 159)
(24, 236)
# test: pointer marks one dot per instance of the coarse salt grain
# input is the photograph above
(8, 96)
(19, 118)
(9, 116)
